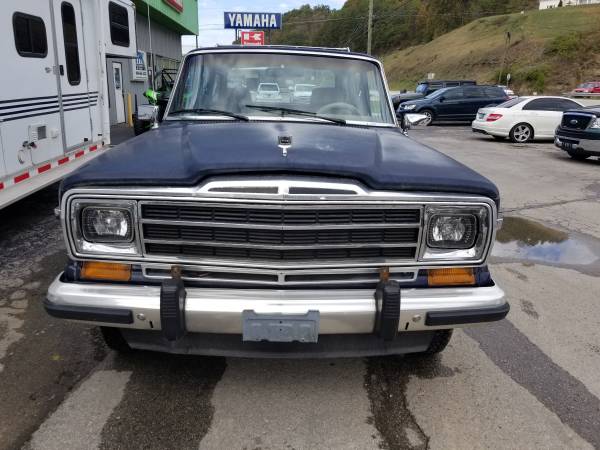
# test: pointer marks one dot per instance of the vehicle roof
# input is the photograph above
(448, 81)
(285, 48)
(532, 97)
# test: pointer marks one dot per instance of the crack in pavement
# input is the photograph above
(530, 367)
(386, 380)
(550, 204)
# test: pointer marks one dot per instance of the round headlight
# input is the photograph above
(452, 231)
(101, 224)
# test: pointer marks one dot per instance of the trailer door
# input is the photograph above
(75, 96)
(29, 112)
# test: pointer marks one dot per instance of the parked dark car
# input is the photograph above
(458, 103)
(579, 133)
(426, 87)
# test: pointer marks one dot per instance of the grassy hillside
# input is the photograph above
(549, 51)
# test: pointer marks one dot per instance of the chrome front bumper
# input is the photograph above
(347, 311)
(581, 145)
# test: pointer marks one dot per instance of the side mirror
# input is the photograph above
(441, 99)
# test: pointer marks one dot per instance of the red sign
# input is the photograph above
(253, 38)
(175, 4)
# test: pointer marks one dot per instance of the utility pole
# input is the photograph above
(370, 29)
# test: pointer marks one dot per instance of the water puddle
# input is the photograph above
(528, 241)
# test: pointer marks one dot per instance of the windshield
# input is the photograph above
(304, 88)
(269, 87)
(422, 88)
(341, 88)
(437, 93)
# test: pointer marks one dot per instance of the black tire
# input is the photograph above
(579, 156)
(438, 343)
(115, 340)
(429, 113)
(521, 133)
(139, 126)
(499, 138)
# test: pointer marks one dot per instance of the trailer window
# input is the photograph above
(71, 47)
(119, 24)
(30, 35)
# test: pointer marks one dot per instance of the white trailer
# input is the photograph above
(53, 86)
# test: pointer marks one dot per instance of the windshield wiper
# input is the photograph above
(296, 111)
(205, 112)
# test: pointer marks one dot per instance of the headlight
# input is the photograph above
(456, 232)
(102, 224)
(103, 227)
(452, 231)
(409, 107)
(595, 123)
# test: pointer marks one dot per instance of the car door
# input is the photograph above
(544, 114)
(449, 104)
(474, 98)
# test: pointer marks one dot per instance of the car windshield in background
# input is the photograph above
(350, 90)
(437, 93)
(269, 87)
(511, 103)
(422, 89)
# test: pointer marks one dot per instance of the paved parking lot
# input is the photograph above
(527, 382)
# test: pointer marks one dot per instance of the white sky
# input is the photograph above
(210, 17)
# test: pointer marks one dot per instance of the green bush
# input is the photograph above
(565, 46)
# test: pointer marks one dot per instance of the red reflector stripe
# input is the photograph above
(1, 185)
(44, 168)
(93, 147)
(64, 160)
(79, 154)
(21, 177)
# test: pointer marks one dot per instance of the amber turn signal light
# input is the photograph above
(450, 277)
(93, 270)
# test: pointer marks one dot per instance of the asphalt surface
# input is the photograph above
(530, 381)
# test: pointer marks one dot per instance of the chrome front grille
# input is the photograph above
(288, 231)
(576, 121)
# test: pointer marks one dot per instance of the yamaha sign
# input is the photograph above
(237, 20)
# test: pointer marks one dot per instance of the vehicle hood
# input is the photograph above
(186, 153)
(595, 109)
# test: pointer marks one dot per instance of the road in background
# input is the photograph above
(529, 381)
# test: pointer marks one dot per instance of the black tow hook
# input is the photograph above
(387, 301)
(172, 305)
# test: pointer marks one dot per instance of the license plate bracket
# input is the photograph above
(280, 327)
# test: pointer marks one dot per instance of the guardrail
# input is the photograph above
(582, 95)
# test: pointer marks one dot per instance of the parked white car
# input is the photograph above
(268, 92)
(523, 119)
(302, 93)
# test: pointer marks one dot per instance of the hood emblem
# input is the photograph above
(574, 122)
(284, 143)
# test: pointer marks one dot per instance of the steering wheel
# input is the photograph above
(338, 108)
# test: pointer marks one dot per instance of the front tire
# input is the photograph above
(521, 133)
(438, 343)
(430, 116)
(115, 340)
(579, 156)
